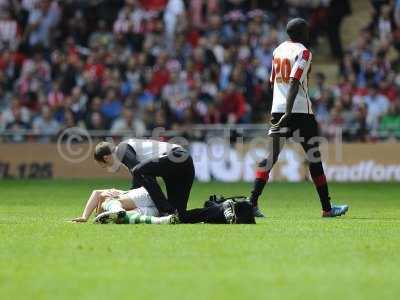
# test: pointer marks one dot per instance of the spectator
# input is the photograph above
(69, 120)
(89, 60)
(16, 126)
(350, 124)
(153, 5)
(78, 27)
(95, 109)
(385, 23)
(213, 115)
(112, 106)
(390, 123)
(377, 105)
(45, 125)
(388, 88)
(322, 107)
(233, 105)
(360, 128)
(175, 94)
(161, 75)
(9, 66)
(35, 74)
(96, 121)
(264, 53)
(173, 18)
(78, 103)
(55, 97)
(101, 36)
(123, 24)
(9, 31)
(41, 23)
(337, 10)
(128, 123)
(159, 120)
(9, 113)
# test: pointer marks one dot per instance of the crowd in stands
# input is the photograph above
(365, 103)
(135, 65)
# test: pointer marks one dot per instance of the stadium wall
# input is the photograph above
(344, 163)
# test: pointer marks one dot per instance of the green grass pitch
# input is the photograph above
(293, 254)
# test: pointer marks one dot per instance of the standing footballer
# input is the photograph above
(292, 115)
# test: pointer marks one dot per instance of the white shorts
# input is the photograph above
(143, 202)
(148, 211)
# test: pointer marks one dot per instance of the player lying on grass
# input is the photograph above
(136, 206)
(123, 207)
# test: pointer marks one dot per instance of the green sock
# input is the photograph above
(136, 218)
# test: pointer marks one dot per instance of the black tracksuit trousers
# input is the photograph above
(177, 170)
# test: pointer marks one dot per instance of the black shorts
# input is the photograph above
(299, 125)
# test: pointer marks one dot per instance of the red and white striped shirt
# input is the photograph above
(55, 98)
(122, 26)
(291, 60)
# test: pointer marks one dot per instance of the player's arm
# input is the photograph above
(94, 202)
(272, 75)
(293, 90)
(291, 96)
(90, 206)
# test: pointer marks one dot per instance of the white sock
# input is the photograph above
(161, 220)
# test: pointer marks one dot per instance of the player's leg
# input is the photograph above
(115, 203)
(104, 195)
(178, 186)
(212, 214)
(136, 217)
(94, 203)
(309, 131)
(226, 212)
(274, 146)
(122, 210)
(317, 173)
(172, 168)
(127, 199)
(112, 205)
(151, 185)
(177, 171)
(143, 214)
(112, 210)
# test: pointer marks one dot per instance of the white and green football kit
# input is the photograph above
(145, 213)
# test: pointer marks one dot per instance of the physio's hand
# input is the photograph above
(79, 220)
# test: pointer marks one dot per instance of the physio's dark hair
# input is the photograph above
(297, 29)
(102, 149)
